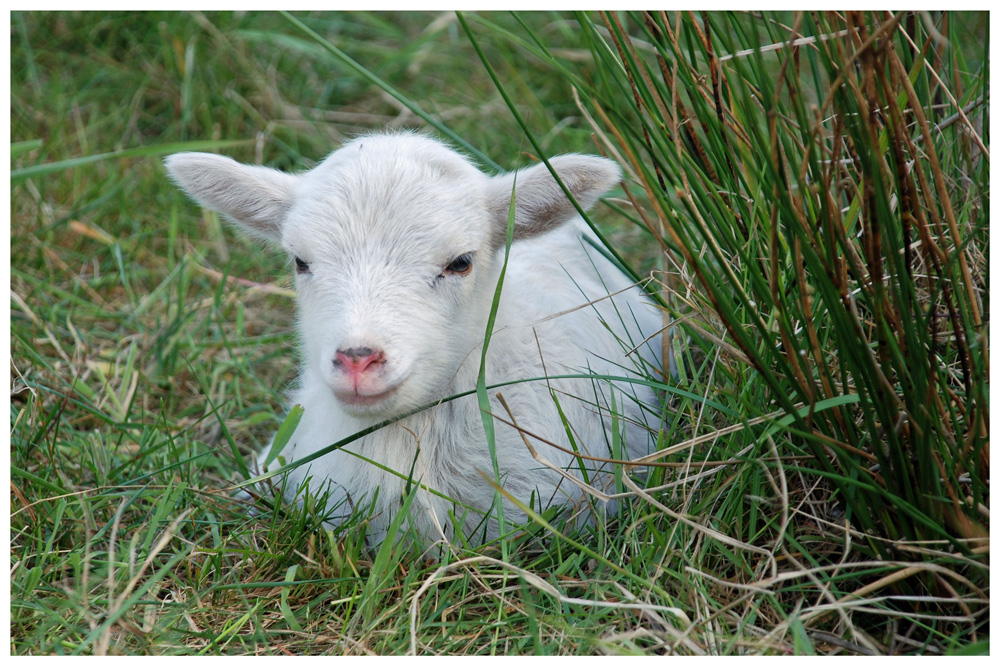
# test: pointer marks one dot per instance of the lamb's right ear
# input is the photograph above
(255, 198)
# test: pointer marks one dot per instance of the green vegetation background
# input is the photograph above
(151, 348)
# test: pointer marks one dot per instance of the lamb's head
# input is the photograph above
(397, 243)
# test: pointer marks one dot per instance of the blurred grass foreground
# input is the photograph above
(809, 193)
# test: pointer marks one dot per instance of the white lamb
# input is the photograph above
(398, 244)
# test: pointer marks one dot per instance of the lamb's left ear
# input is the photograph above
(540, 204)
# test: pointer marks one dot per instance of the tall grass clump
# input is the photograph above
(818, 184)
(843, 262)
(809, 193)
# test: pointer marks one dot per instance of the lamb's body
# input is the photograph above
(401, 241)
(451, 437)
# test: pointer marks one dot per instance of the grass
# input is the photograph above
(823, 486)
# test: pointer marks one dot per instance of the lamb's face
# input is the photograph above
(395, 267)
(395, 241)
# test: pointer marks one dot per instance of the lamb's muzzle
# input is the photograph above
(360, 383)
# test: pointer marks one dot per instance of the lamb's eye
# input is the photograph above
(461, 265)
(300, 266)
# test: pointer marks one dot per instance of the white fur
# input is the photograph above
(377, 223)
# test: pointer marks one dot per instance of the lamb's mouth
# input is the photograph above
(353, 399)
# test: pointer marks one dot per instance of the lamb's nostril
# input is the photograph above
(356, 353)
(356, 360)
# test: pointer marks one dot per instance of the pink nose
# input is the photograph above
(357, 359)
